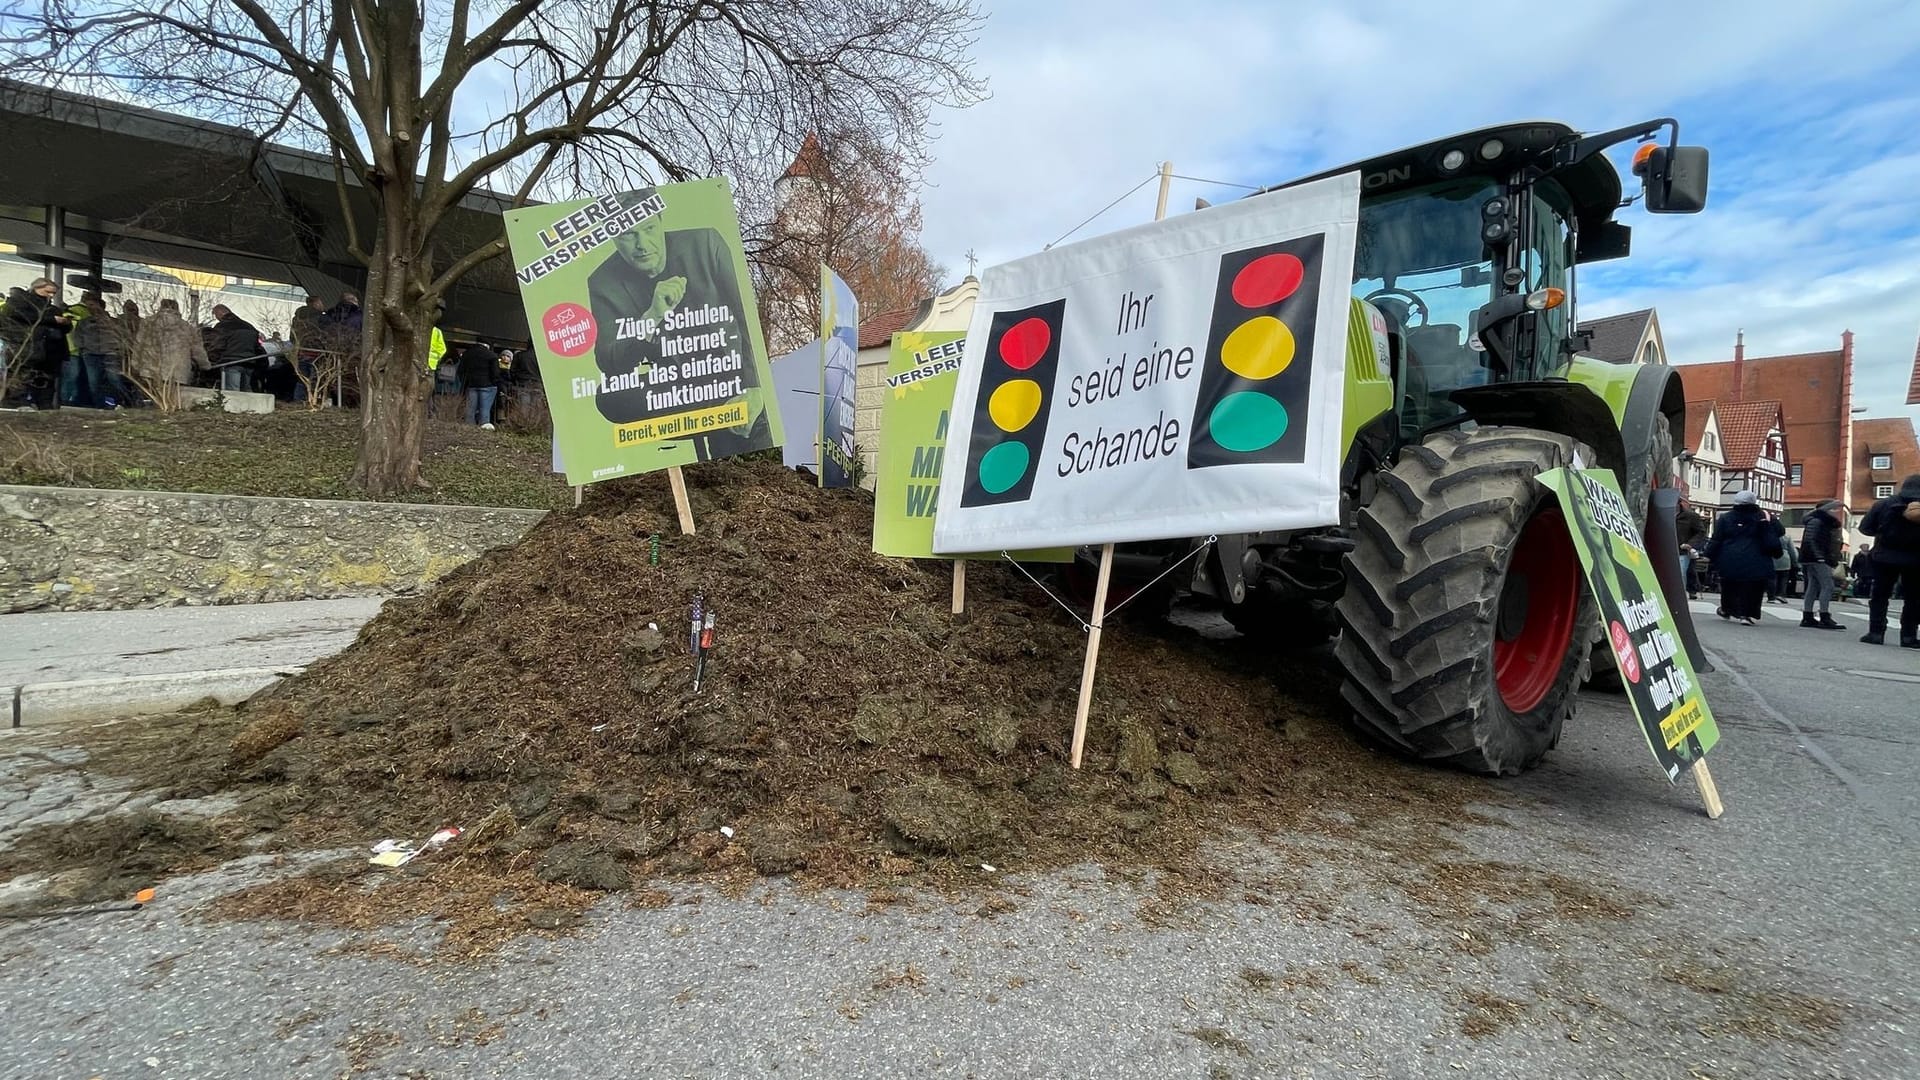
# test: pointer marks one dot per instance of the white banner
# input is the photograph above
(1178, 379)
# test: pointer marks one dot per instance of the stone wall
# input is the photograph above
(79, 549)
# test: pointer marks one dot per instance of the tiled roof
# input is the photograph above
(1697, 414)
(1743, 430)
(1894, 437)
(1913, 387)
(810, 161)
(1808, 387)
(877, 330)
(1616, 338)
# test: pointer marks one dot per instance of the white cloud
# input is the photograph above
(1088, 96)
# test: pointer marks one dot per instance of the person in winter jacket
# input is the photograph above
(1894, 524)
(37, 329)
(1780, 587)
(1861, 571)
(99, 335)
(236, 343)
(1742, 549)
(1819, 557)
(481, 375)
(166, 353)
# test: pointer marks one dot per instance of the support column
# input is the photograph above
(56, 238)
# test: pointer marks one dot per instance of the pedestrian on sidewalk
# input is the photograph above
(1862, 571)
(478, 371)
(1777, 586)
(1819, 557)
(1894, 524)
(1742, 549)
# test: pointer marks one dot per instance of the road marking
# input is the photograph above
(1891, 676)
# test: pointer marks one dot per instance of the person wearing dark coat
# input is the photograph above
(481, 374)
(1894, 524)
(1819, 557)
(1861, 571)
(1743, 548)
(235, 339)
(36, 327)
(1691, 527)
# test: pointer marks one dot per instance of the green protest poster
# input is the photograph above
(644, 322)
(915, 412)
(1661, 683)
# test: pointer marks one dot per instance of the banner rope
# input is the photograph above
(1087, 627)
(1150, 179)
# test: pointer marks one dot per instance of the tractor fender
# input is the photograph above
(1612, 408)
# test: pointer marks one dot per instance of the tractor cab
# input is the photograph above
(1467, 247)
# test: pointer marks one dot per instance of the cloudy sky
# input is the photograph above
(1812, 114)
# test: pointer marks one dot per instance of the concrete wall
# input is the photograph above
(79, 549)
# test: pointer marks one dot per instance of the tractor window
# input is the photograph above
(1549, 254)
(1420, 259)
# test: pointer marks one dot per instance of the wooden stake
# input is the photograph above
(1709, 793)
(680, 504)
(959, 586)
(578, 490)
(1166, 182)
(1093, 653)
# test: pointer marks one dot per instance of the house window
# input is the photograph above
(1710, 442)
(1793, 475)
(1882, 461)
(1883, 491)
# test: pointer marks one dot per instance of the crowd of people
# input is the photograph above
(53, 354)
(1748, 556)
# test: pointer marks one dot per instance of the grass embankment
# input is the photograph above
(293, 453)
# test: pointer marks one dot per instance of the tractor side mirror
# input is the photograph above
(1676, 180)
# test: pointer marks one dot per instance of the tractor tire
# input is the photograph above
(1463, 628)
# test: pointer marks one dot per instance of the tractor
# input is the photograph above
(1451, 589)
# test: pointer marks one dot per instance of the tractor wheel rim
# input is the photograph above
(1527, 665)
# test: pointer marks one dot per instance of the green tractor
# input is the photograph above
(1462, 621)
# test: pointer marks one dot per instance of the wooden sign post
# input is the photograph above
(680, 504)
(1085, 704)
(959, 586)
(1093, 653)
(1709, 792)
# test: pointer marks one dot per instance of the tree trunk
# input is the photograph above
(394, 381)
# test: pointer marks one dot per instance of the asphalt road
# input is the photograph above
(56, 646)
(1779, 941)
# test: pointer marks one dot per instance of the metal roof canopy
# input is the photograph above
(154, 187)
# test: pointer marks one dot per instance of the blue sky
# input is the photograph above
(1812, 114)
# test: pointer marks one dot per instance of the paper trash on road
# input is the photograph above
(393, 853)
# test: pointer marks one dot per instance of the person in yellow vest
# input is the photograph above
(70, 367)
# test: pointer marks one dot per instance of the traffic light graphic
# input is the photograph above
(1251, 405)
(1010, 413)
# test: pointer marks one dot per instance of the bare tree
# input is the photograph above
(422, 104)
(847, 203)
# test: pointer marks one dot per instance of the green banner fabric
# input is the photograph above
(644, 321)
(915, 413)
(1661, 683)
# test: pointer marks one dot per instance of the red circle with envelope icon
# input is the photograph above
(569, 328)
(1623, 649)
